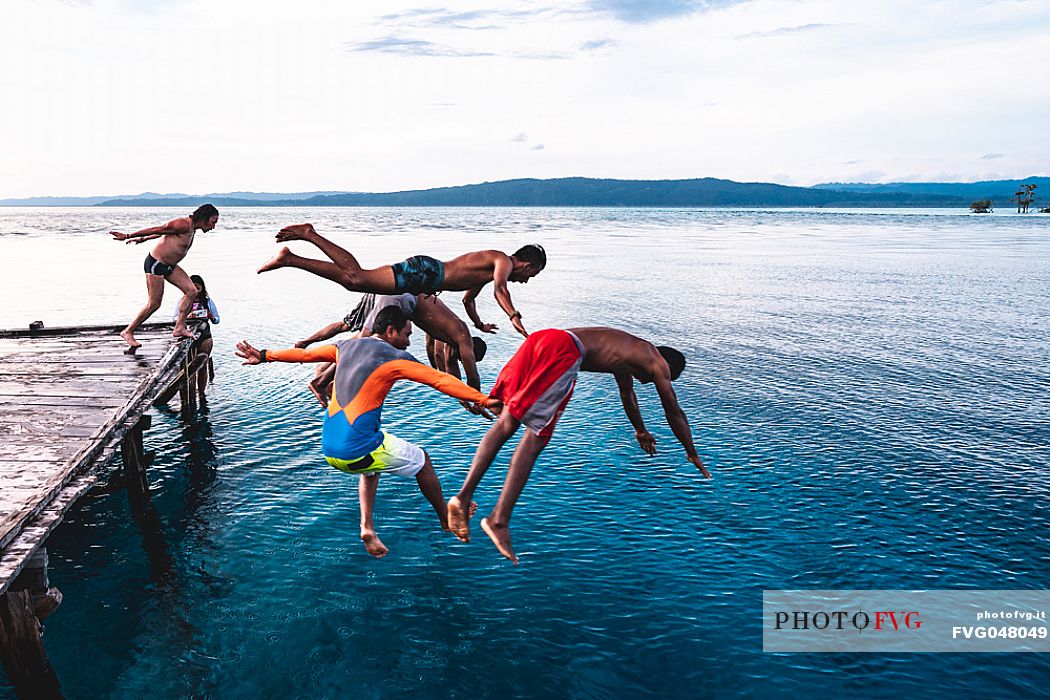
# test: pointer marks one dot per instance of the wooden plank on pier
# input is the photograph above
(65, 415)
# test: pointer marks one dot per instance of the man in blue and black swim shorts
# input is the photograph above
(420, 274)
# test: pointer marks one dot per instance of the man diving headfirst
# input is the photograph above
(535, 387)
(419, 274)
(428, 312)
(352, 438)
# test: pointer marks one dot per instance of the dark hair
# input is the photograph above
(674, 359)
(203, 213)
(533, 254)
(203, 296)
(480, 348)
(389, 316)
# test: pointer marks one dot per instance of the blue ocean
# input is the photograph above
(870, 390)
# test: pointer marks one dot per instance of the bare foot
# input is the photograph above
(470, 514)
(130, 339)
(373, 544)
(297, 232)
(500, 536)
(277, 261)
(458, 520)
(182, 332)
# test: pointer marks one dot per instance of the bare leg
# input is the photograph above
(180, 279)
(366, 491)
(488, 448)
(204, 348)
(306, 232)
(430, 487)
(496, 526)
(155, 294)
(378, 281)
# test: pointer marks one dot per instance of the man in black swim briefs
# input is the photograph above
(162, 263)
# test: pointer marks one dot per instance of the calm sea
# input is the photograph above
(871, 390)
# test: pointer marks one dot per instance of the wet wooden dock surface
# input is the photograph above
(67, 398)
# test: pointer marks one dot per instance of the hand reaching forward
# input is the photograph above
(250, 355)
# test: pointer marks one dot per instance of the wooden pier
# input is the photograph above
(71, 399)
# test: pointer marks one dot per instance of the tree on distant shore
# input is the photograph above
(1025, 197)
(981, 206)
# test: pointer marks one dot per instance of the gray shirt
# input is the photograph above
(364, 314)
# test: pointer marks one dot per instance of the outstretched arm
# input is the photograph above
(253, 356)
(500, 274)
(471, 307)
(630, 406)
(174, 227)
(678, 422)
(445, 383)
(329, 331)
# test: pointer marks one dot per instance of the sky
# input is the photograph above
(106, 97)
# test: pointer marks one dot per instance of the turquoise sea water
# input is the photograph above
(869, 389)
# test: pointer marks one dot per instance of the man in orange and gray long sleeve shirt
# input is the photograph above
(352, 439)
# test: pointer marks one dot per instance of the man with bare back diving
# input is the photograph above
(419, 274)
(163, 264)
(427, 311)
(535, 387)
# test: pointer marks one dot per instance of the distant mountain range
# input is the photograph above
(254, 197)
(585, 192)
(1001, 192)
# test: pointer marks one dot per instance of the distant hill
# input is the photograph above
(587, 192)
(1001, 192)
(252, 197)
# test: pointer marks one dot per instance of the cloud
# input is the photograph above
(993, 156)
(520, 138)
(786, 30)
(437, 17)
(852, 162)
(411, 47)
(537, 147)
(644, 11)
(595, 44)
(541, 55)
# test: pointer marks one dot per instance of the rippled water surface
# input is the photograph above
(870, 390)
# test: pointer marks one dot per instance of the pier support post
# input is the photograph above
(188, 388)
(33, 578)
(135, 463)
(22, 608)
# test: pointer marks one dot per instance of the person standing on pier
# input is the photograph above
(203, 309)
(162, 263)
